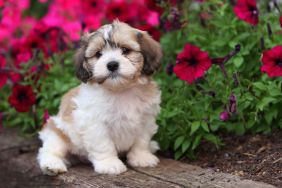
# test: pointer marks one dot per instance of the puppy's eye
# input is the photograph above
(98, 54)
(125, 51)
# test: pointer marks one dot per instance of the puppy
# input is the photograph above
(113, 111)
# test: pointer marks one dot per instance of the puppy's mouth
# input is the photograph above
(112, 75)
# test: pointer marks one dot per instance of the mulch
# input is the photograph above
(256, 157)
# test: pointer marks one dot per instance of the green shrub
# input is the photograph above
(191, 113)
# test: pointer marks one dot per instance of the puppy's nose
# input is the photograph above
(112, 66)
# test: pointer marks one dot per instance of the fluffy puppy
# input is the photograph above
(113, 111)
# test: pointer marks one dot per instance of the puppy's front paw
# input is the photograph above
(109, 166)
(52, 165)
(142, 159)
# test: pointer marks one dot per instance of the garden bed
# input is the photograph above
(256, 157)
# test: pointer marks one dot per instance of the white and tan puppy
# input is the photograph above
(113, 111)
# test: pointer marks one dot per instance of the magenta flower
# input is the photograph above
(192, 63)
(224, 116)
(247, 11)
(232, 104)
(272, 61)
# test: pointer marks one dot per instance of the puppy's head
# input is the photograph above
(117, 55)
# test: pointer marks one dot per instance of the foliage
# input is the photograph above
(191, 113)
(51, 86)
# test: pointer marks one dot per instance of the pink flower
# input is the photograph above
(92, 22)
(154, 32)
(55, 40)
(71, 27)
(67, 15)
(11, 18)
(224, 116)
(19, 52)
(232, 104)
(27, 23)
(3, 74)
(118, 9)
(247, 10)
(153, 18)
(1, 3)
(15, 77)
(272, 61)
(92, 7)
(138, 13)
(43, 1)
(154, 6)
(21, 5)
(192, 63)
(22, 98)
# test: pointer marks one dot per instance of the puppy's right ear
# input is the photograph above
(151, 51)
(82, 70)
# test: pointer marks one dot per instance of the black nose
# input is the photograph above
(112, 66)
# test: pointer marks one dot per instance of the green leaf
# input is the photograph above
(205, 126)
(265, 102)
(240, 128)
(260, 86)
(238, 61)
(177, 154)
(211, 138)
(195, 126)
(178, 142)
(185, 145)
(196, 141)
(270, 115)
(273, 92)
(250, 123)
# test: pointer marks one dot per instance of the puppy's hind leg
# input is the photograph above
(51, 156)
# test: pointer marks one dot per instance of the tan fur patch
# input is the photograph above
(67, 105)
(50, 124)
(125, 36)
(139, 41)
(95, 43)
(150, 89)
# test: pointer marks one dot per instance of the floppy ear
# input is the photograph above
(81, 65)
(151, 51)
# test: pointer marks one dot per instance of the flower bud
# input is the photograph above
(224, 116)
(232, 104)
(169, 69)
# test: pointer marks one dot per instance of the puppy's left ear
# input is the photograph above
(82, 67)
(151, 51)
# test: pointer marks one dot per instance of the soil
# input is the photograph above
(255, 157)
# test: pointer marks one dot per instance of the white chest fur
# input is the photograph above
(124, 115)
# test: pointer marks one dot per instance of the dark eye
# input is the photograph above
(98, 54)
(125, 51)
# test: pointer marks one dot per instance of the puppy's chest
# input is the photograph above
(120, 110)
(122, 115)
